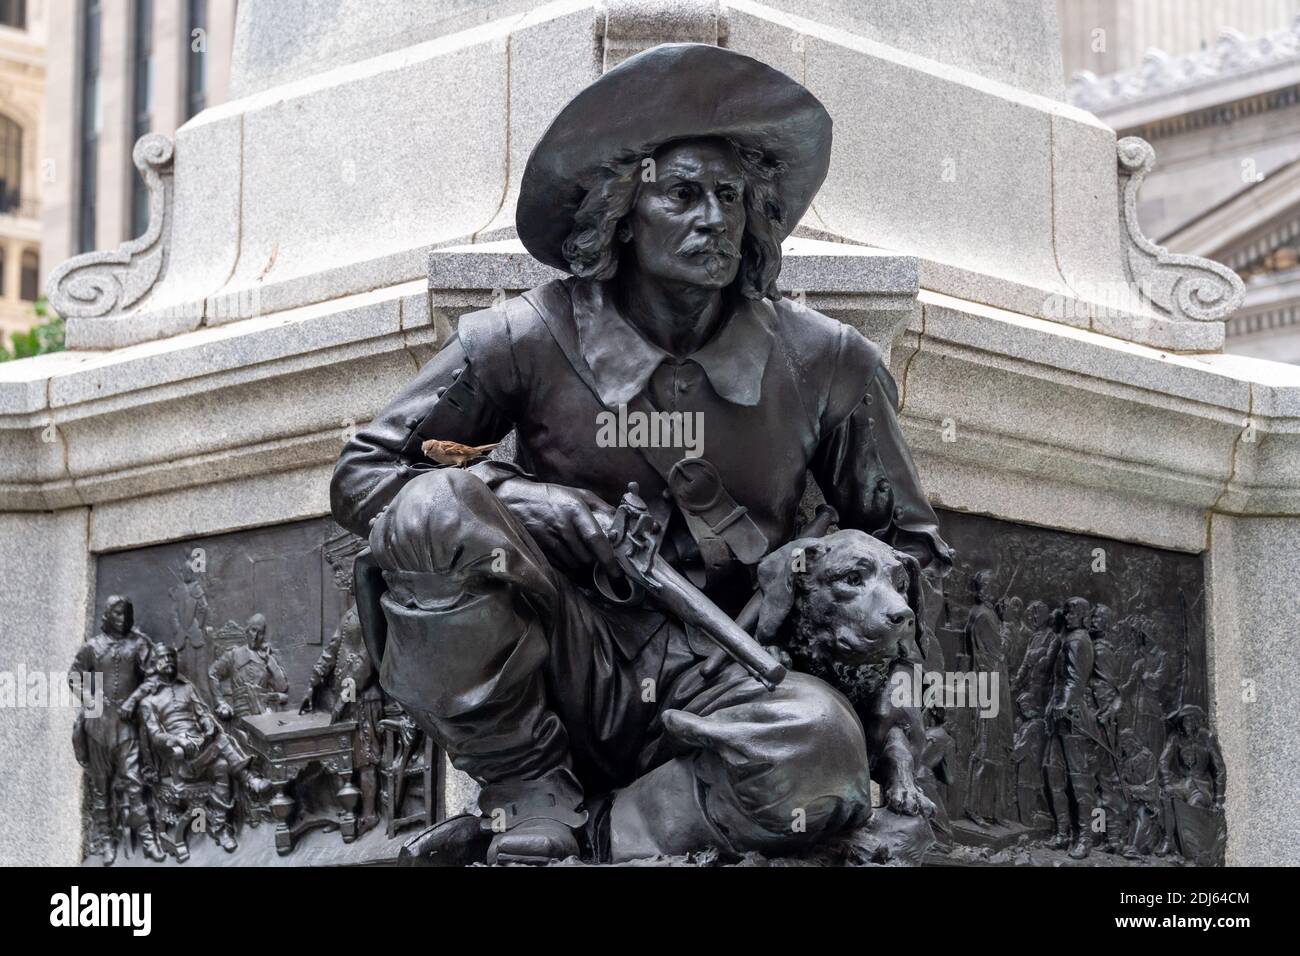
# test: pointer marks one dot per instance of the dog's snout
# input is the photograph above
(901, 618)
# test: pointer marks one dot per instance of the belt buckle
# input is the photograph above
(695, 484)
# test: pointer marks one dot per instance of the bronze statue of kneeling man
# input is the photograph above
(598, 728)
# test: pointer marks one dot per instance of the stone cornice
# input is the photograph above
(1272, 306)
(1233, 69)
(1248, 225)
(1144, 432)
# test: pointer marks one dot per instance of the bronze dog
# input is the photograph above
(846, 608)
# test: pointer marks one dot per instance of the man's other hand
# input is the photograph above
(564, 523)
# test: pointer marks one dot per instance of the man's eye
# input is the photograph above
(853, 578)
(728, 195)
(681, 193)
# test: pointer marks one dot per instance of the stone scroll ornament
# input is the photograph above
(110, 283)
(1187, 288)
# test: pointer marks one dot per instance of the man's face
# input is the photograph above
(688, 224)
(1037, 615)
(1100, 621)
(115, 618)
(167, 665)
(1074, 615)
(257, 635)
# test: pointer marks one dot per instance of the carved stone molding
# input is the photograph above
(110, 283)
(1231, 57)
(1183, 287)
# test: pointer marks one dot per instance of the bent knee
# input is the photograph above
(831, 768)
(820, 779)
(431, 519)
(823, 716)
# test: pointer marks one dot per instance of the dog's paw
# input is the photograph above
(904, 797)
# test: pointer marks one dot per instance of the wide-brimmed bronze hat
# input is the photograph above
(671, 92)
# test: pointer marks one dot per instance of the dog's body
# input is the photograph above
(846, 608)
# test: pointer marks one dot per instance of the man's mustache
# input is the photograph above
(718, 245)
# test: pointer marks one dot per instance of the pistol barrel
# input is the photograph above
(675, 593)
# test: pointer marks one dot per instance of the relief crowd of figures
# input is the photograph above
(159, 735)
(1094, 741)
(1091, 745)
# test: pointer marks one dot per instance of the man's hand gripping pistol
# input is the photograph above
(634, 534)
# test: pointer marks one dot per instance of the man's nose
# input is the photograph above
(711, 218)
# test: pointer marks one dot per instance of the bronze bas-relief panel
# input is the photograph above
(241, 705)
(1136, 766)
(993, 788)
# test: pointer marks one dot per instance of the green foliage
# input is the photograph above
(47, 336)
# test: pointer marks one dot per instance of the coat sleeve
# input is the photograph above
(445, 401)
(863, 465)
(1218, 767)
(152, 725)
(81, 676)
(325, 664)
(279, 681)
(219, 671)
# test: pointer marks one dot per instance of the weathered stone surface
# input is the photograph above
(270, 497)
(631, 26)
(1013, 41)
(1183, 287)
(1251, 573)
(460, 791)
(342, 179)
(288, 40)
(44, 601)
(551, 59)
(1065, 428)
(1266, 466)
(370, 161)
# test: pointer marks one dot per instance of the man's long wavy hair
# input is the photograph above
(593, 249)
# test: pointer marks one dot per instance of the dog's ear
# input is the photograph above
(916, 601)
(915, 594)
(776, 582)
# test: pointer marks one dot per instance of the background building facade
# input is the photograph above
(119, 69)
(1209, 82)
(22, 170)
(1218, 96)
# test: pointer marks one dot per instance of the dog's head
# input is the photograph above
(847, 598)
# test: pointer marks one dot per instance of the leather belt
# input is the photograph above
(723, 527)
(718, 524)
(697, 488)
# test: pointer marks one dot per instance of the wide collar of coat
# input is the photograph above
(622, 360)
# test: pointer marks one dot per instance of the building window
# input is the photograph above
(142, 105)
(13, 13)
(30, 279)
(11, 164)
(196, 79)
(90, 123)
